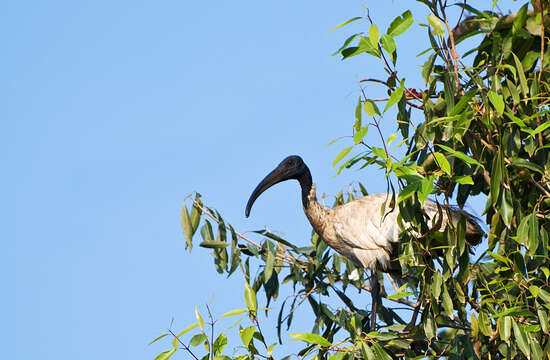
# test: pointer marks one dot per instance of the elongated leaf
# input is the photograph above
(437, 281)
(341, 155)
(358, 136)
(521, 338)
(465, 158)
(200, 321)
(521, 74)
(187, 227)
(158, 338)
(443, 163)
(166, 354)
(427, 68)
(346, 43)
(461, 104)
(234, 312)
(497, 101)
(400, 24)
(311, 338)
(374, 35)
(388, 44)
(187, 329)
(345, 23)
(250, 297)
(395, 96)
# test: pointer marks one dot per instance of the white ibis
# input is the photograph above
(357, 229)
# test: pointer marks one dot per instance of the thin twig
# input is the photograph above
(182, 344)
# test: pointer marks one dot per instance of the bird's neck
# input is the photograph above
(306, 184)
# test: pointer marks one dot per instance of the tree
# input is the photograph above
(478, 125)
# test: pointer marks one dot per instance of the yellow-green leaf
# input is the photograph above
(497, 101)
(311, 338)
(436, 24)
(443, 163)
(374, 35)
(250, 297)
(341, 155)
(200, 321)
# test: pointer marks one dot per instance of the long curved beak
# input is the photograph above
(274, 177)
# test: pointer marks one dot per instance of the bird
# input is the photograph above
(357, 229)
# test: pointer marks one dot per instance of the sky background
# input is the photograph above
(115, 111)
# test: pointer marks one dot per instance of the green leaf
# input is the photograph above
(464, 180)
(358, 136)
(269, 262)
(197, 339)
(395, 96)
(158, 338)
(484, 324)
(370, 108)
(345, 23)
(250, 297)
(436, 24)
(341, 155)
(381, 354)
(358, 115)
(311, 338)
(207, 233)
(506, 206)
(388, 44)
(442, 162)
(219, 344)
(400, 24)
(447, 302)
(401, 295)
(437, 281)
(465, 158)
(506, 328)
(200, 321)
(429, 328)
(346, 43)
(374, 35)
(165, 355)
(543, 319)
(187, 226)
(196, 212)
(521, 338)
(213, 244)
(464, 99)
(246, 334)
(234, 312)
(187, 329)
(427, 68)
(520, 20)
(366, 351)
(521, 74)
(497, 101)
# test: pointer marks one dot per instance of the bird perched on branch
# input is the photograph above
(357, 229)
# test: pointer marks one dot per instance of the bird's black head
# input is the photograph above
(292, 167)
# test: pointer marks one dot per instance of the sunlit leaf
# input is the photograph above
(436, 24)
(311, 338)
(400, 24)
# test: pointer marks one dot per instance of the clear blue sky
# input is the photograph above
(113, 112)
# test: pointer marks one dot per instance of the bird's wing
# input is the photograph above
(361, 225)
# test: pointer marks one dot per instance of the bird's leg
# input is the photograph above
(375, 293)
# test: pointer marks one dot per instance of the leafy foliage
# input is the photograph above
(479, 125)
